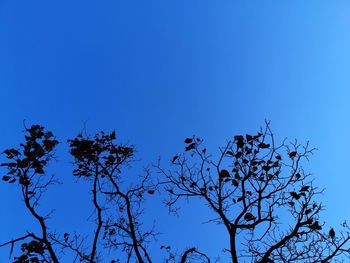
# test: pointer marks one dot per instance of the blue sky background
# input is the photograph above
(159, 71)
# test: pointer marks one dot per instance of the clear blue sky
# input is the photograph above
(158, 71)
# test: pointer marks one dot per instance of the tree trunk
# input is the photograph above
(233, 246)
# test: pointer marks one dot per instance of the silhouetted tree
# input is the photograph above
(258, 190)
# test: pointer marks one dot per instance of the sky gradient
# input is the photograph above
(159, 71)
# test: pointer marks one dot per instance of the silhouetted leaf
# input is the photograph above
(11, 153)
(249, 217)
(248, 137)
(295, 195)
(234, 182)
(239, 141)
(238, 138)
(266, 168)
(315, 226)
(305, 188)
(174, 158)
(12, 180)
(263, 145)
(6, 178)
(230, 153)
(190, 147)
(188, 140)
(224, 174)
(292, 154)
(112, 135)
(49, 144)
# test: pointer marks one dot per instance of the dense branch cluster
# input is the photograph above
(256, 189)
(261, 194)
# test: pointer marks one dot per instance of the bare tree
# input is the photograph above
(257, 190)
(260, 193)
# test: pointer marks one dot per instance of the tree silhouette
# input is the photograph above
(256, 189)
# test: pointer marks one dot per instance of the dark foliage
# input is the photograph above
(256, 189)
